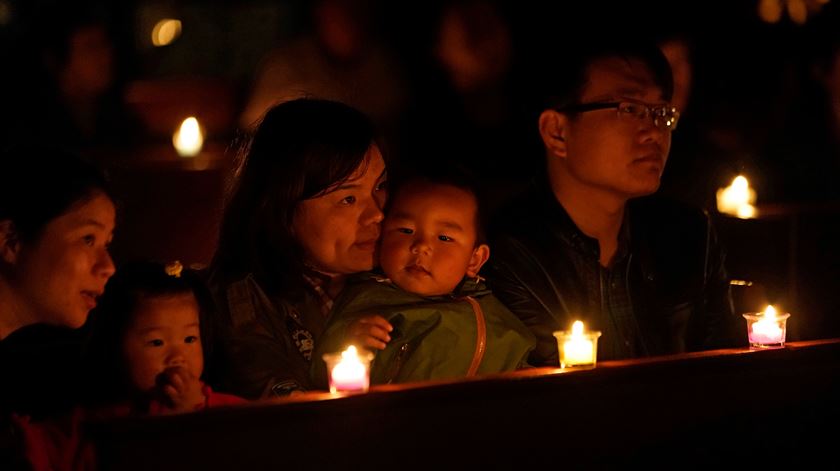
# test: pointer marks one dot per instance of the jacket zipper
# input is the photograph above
(397, 364)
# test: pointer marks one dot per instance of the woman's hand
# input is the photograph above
(369, 332)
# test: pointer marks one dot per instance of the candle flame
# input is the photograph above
(767, 329)
(737, 199)
(577, 348)
(349, 373)
(745, 211)
(188, 139)
(350, 354)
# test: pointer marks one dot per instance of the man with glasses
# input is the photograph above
(587, 242)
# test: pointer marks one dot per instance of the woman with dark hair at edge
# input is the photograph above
(57, 219)
(304, 212)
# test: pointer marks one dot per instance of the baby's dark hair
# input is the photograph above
(444, 174)
(132, 284)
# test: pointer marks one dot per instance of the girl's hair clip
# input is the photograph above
(174, 269)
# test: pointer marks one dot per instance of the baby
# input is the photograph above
(435, 318)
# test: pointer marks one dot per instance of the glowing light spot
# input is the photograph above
(166, 31)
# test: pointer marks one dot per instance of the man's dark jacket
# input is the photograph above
(673, 269)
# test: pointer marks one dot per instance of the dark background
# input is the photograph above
(755, 107)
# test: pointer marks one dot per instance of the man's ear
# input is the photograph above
(479, 257)
(9, 241)
(553, 126)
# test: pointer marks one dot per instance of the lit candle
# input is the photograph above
(767, 329)
(350, 372)
(188, 139)
(577, 347)
(737, 199)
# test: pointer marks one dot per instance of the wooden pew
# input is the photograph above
(719, 408)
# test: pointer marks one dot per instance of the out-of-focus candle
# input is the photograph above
(737, 199)
(577, 348)
(166, 31)
(348, 371)
(188, 139)
(766, 329)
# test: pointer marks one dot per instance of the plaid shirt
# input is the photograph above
(607, 295)
(319, 284)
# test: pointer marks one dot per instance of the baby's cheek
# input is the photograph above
(197, 364)
(148, 369)
(143, 378)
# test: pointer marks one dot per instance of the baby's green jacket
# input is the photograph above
(463, 334)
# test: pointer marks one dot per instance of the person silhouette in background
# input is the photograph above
(804, 165)
(692, 174)
(806, 157)
(341, 59)
(738, 97)
(468, 99)
(70, 95)
(678, 50)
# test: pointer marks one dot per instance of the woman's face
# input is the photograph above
(59, 276)
(339, 231)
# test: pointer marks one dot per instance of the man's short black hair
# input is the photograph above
(563, 81)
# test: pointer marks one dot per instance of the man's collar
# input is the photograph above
(560, 223)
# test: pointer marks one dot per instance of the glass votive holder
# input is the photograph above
(348, 371)
(576, 347)
(766, 331)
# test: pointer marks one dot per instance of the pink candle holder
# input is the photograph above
(766, 329)
(348, 371)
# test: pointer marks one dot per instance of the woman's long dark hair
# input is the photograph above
(302, 149)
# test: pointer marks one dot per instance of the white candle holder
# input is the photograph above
(576, 347)
(765, 331)
(348, 371)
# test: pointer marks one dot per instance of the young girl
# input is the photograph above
(150, 338)
(149, 341)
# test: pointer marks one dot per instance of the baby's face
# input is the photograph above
(428, 238)
(164, 333)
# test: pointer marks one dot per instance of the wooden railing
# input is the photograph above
(718, 408)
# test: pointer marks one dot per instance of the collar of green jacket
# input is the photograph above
(475, 287)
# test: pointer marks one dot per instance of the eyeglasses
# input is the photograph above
(664, 116)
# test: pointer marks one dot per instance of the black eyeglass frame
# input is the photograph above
(658, 112)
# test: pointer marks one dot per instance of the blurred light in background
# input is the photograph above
(166, 31)
(5, 13)
(770, 11)
(737, 199)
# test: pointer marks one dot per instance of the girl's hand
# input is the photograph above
(181, 390)
(369, 332)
